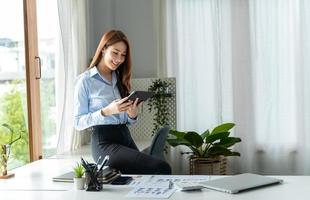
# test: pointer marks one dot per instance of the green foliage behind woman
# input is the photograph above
(12, 112)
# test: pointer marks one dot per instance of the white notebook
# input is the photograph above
(67, 177)
(107, 173)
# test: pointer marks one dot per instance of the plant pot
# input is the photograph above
(208, 166)
(79, 183)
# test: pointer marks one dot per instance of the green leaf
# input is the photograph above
(205, 134)
(176, 133)
(223, 128)
(176, 142)
(193, 138)
(234, 154)
(8, 127)
(219, 150)
(195, 151)
(228, 142)
(78, 170)
(218, 136)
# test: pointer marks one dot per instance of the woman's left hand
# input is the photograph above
(133, 109)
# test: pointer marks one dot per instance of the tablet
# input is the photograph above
(142, 95)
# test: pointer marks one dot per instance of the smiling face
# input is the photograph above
(114, 55)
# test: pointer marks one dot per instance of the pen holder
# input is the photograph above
(91, 175)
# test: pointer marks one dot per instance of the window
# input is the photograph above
(22, 72)
(13, 103)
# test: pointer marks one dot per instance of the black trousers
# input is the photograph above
(116, 141)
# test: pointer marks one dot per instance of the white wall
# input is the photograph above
(136, 18)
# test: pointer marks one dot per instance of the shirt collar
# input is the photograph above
(94, 71)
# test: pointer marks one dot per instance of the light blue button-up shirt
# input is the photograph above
(92, 93)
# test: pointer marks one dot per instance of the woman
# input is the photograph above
(101, 103)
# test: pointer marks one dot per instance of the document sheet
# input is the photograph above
(159, 186)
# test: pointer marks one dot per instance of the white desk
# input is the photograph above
(34, 182)
(38, 175)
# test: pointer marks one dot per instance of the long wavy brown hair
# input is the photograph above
(123, 71)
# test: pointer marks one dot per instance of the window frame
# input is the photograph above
(33, 75)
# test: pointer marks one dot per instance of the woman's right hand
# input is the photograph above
(116, 106)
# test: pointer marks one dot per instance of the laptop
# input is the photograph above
(239, 183)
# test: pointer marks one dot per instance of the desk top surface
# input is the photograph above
(34, 181)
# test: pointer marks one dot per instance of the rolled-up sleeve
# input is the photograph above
(83, 118)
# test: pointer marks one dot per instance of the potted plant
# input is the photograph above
(5, 149)
(79, 179)
(208, 150)
(159, 103)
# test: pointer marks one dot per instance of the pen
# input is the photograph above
(84, 164)
(98, 161)
(105, 160)
(95, 168)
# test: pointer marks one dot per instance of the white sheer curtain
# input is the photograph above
(279, 34)
(246, 62)
(199, 55)
(72, 61)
